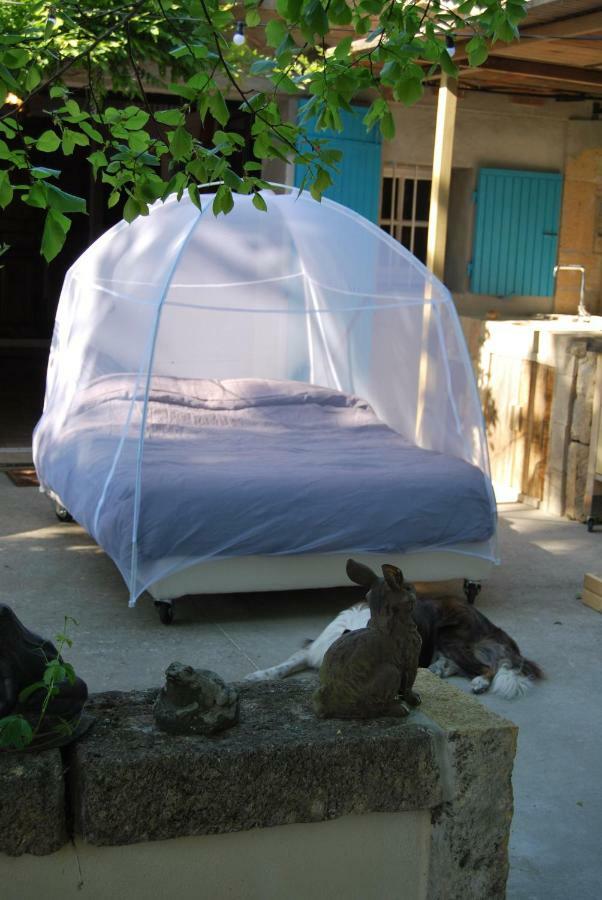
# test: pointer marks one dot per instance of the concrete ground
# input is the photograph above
(49, 570)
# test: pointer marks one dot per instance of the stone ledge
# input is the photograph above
(129, 783)
(132, 783)
(32, 804)
(280, 765)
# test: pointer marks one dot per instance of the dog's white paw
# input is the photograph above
(260, 675)
(480, 684)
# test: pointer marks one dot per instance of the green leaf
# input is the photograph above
(263, 66)
(44, 172)
(275, 32)
(56, 226)
(15, 58)
(180, 143)
(91, 132)
(6, 190)
(26, 693)
(36, 196)
(218, 108)
(223, 201)
(64, 202)
(48, 142)
(252, 18)
(15, 733)
(97, 160)
(259, 202)
(409, 91)
(387, 126)
(33, 78)
(476, 50)
(136, 120)
(131, 210)
(447, 64)
(170, 116)
(343, 48)
(193, 193)
(73, 139)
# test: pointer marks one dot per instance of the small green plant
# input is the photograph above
(17, 731)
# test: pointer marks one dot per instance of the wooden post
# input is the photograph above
(442, 164)
(437, 233)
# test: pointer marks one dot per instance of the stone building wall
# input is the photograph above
(580, 241)
(580, 431)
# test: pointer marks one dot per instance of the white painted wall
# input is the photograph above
(379, 856)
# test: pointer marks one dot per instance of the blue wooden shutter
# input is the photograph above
(357, 181)
(516, 232)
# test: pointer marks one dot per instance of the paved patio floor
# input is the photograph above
(48, 570)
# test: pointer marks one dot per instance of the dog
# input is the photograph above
(457, 639)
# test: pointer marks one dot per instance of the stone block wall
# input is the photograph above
(419, 808)
(580, 240)
(578, 430)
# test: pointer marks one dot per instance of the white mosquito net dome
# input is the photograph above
(306, 293)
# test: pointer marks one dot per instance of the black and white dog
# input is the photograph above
(456, 639)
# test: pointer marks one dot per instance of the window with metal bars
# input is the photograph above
(404, 206)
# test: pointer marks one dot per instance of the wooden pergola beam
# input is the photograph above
(577, 26)
(569, 76)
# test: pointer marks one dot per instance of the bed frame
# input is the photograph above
(318, 570)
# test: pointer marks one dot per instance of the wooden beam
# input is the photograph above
(567, 76)
(442, 164)
(573, 27)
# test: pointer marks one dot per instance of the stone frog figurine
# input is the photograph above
(368, 672)
(195, 701)
(23, 658)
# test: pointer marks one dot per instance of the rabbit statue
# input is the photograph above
(368, 672)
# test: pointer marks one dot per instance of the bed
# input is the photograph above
(269, 485)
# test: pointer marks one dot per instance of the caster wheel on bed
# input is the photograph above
(62, 514)
(472, 589)
(166, 612)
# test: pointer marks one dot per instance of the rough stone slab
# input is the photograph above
(32, 803)
(469, 843)
(576, 480)
(581, 425)
(132, 783)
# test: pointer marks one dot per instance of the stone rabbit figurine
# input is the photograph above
(368, 672)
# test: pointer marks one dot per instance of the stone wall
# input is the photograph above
(436, 787)
(580, 240)
(580, 430)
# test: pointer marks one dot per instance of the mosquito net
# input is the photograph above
(168, 326)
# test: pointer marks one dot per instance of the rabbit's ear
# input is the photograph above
(360, 574)
(393, 577)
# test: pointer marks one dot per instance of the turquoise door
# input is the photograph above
(516, 232)
(356, 184)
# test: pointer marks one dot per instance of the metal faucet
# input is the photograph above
(581, 310)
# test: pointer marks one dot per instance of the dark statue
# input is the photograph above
(370, 672)
(23, 659)
(195, 701)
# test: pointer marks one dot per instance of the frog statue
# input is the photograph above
(370, 672)
(23, 660)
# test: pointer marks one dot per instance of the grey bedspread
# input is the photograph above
(247, 467)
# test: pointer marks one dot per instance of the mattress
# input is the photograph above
(248, 467)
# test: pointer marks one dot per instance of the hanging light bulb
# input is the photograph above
(239, 34)
(450, 45)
